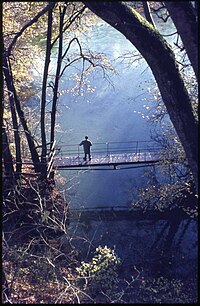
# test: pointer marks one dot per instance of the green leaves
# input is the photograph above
(101, 271)
(45, 215)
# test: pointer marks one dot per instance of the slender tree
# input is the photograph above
(185, 20)
(15, 104)
(147, 12)
(7, 156)
(57, 77)
(9, 83)
(44, 88)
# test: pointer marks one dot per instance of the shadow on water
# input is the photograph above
(159, 243)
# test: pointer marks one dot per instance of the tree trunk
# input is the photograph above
(8, 80)
(32, 148)
(57, 77)
(44, 88)
(184, 18)
(11, 88)
(7, 157)
(161, 60)
(147, 12)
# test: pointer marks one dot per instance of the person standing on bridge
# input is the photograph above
(86, 146)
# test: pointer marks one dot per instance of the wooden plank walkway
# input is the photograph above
(106, 160)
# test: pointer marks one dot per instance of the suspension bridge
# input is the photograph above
(111, 154)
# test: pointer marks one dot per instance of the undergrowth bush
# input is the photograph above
(100, 274)
(36, 278)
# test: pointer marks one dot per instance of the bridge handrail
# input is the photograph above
(51, 156)
(112, 142)
(74, 149)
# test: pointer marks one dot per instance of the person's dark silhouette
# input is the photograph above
(86, 146)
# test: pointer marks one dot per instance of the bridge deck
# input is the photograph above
(107, 154)
(106, 160)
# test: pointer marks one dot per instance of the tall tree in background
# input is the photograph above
(161, 59)
(7, 156)
(64, 26)
(44, 89)
(147, 12)
(10, 87)
(62, 12)
(185, 20)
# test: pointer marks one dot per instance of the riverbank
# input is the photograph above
(41, 259)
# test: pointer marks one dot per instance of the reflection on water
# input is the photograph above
(164, 247)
